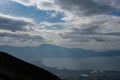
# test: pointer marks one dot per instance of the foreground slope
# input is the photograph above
(20, 70)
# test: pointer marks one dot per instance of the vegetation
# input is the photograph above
(20, 70)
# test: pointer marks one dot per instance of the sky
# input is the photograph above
(86, 24)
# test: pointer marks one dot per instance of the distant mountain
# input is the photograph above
(47, 50)
(12, 68)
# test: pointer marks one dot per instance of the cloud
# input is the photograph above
(20, 38)
(84, 7)
(96, 31)
(85, 24)
(23, 37)
(79, 7)
(40, 4)
(98, 25)
(99, 32)
(8, 22)
(74, 9)
(19, 31)
(3, 1)
(113, 3)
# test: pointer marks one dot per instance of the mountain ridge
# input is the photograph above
(47, 50)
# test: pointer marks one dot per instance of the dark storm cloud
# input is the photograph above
(114, 33)
(20, 37)
(86, 7)
(98, 39)
(12, 24)
(88, 34)
(89, 30)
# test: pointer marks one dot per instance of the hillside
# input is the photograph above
(17, 69)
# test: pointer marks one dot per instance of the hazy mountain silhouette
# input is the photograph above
(47, 50)
(12, 68)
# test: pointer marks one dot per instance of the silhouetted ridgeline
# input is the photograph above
(12, 68)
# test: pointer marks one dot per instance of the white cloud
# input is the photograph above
(98, 33)
(20, 39)
(40, 4)
(19, 31)
(8, 22)
(86, 23)
(74, 9)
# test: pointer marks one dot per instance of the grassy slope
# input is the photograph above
(20, 70)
